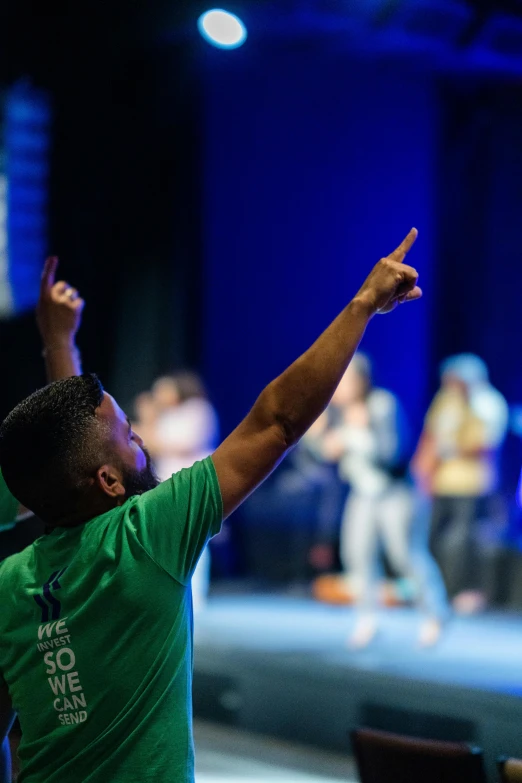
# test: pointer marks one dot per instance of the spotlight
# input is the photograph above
(222, 29)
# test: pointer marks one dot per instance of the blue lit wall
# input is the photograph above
(23, 185)
(314, 169)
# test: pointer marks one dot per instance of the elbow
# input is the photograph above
(272, 415)
(287, 430)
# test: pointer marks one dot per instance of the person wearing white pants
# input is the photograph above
(382, 510)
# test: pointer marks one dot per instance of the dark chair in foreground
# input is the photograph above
(510, 770)
(392, 758)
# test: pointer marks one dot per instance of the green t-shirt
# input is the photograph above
(8, 506)
(96, 638)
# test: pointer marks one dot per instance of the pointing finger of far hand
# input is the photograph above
(399, 254)
(48, 273)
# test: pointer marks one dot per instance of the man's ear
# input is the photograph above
(110, 480)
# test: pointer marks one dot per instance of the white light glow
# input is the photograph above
(222, 29)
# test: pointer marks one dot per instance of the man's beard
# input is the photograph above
(136, 482)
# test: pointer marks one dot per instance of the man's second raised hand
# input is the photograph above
(59, 315)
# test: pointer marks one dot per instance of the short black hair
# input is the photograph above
(47, 448)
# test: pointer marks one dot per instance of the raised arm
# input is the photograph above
(292, 402)
(58, 315)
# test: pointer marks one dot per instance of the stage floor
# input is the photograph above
(477, 652)
(281, 666)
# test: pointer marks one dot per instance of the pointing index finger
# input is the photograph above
(48, 274)
(399, 254)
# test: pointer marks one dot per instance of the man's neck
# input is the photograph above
(76, 518)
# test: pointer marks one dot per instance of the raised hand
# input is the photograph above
(59, 309)
(391, 282)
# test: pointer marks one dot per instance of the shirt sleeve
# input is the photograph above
(175, 521)
(8, 506)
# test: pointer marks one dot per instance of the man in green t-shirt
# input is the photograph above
(96, 621)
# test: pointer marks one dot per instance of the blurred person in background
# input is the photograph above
(180, 426)
(187, 428)
(371, 443)
(456, 464)
(312, 469)
(290, 527)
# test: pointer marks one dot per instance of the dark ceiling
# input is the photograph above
(455, 35)
(39, 38)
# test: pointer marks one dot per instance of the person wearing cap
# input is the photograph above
(456, 463)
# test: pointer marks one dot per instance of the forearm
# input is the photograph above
(299, 396)
(62, 360)
(5, 762)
